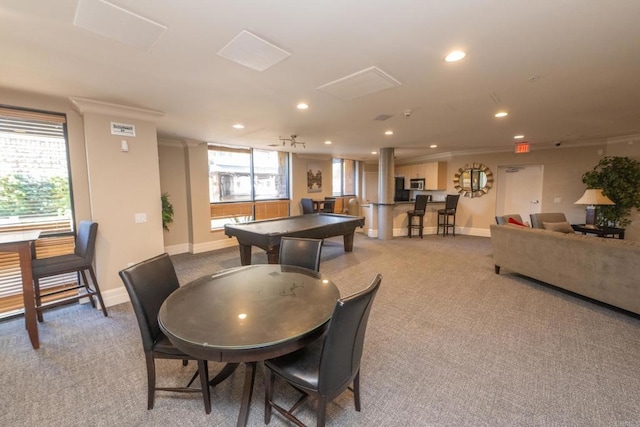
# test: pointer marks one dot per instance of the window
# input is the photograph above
(344, 177)
(35, 193)
(238, 177)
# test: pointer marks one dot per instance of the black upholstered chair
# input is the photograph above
(329, 205)
(78, 262)
(149, 283)
(418, 211)
(329, 365)
(445, 215)
(307, 206)
(301, 252)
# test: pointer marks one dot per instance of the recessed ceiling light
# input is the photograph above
(433, 146)
(501, 114)
(518, 137)
(328, 142)
(302, 106)
(389, 132)
(238, 126)
(454, 56)
(374, 152)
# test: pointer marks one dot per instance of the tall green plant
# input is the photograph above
(619, 179)
(167, 211)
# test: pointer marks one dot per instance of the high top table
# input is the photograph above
(248, 314)
(21, 242)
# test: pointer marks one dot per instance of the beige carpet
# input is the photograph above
(450, 343)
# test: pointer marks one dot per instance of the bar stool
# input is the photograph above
(450, 207)
(418, 211)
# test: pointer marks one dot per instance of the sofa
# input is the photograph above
(606, 270)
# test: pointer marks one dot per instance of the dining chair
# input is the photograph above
(329, 205)
(149, 283)
(300, 252)
(444, 215)
(78, 262)
(307, 206)
(418, 211)
(330, 364)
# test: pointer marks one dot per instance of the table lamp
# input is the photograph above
(593, 197)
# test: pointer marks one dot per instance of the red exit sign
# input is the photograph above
(522, 147)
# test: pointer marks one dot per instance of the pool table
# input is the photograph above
(266, 234)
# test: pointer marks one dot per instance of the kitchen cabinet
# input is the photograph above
(435, 176)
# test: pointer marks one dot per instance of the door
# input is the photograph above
(519, 190)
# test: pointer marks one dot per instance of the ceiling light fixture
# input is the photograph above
(374, 152)
(302, 106)
(238, 126)
(501, 114)
(454, 56)
(328, 142)
(389, 132)
(292, 140)
(518, 137)
(433, 146)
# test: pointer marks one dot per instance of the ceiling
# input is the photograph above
(566, 71)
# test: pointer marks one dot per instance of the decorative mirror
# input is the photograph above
(473, 180)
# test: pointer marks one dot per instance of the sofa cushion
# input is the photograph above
(562, 227)
(516, 222)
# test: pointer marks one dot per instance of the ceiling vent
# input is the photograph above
(365, 82)
(106, 19)
(382, 117)
(251, 51)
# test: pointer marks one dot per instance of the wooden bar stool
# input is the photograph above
(418, 211)
(450, 207)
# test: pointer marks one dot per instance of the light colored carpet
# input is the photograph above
(450, 343)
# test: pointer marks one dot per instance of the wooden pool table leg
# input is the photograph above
(245, 254)
(348, 242)
(273, 254)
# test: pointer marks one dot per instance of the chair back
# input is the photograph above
(451, 202)
(329, 205)
(301, 252)
(537, 219)
(344, 341)
(504, 219)
(307, 206)
(149, 283)
(421, 203)
(86, 240)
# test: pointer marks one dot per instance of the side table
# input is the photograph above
(599, 231)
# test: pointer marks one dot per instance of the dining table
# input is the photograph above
(246, 315)
(21, 242)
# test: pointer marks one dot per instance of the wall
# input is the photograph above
(173, 181)
(121, 185)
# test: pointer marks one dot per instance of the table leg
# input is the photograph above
(245, 254)
(348, 242)
(228, 369)
(273, 254)
(31, 324)
(249, 377)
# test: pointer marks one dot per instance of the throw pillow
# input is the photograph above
(562, 227)
(516, 222)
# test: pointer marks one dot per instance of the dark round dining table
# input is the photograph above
(248, 314)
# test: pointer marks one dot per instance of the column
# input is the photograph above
(386, 172)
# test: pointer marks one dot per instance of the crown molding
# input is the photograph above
(84, 105)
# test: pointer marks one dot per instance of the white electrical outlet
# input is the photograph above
(141, 217)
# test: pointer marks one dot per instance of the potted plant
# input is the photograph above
(167, 211)
(619, 179)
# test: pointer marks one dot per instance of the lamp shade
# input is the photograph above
(594, 196)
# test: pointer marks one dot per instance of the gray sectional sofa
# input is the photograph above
(607, 270)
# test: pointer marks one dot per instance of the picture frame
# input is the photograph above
(314, 177)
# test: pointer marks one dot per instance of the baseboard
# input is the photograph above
(115, 296)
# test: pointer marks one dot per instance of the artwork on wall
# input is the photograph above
(314, 177)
